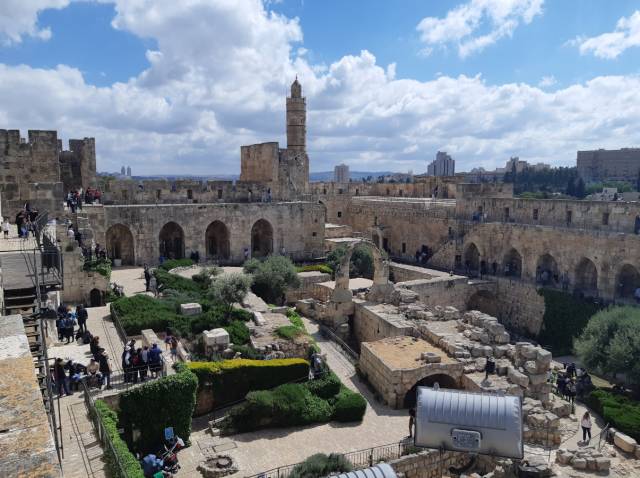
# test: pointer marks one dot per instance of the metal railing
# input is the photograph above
(330, 334)
(102, 434)
(115, 318)
(359, 459)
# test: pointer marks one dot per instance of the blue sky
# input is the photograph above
(161, 82)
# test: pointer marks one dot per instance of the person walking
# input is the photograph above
(5, 228)
(83, 315)
(586, 427)
(105, 368)
(147, 277)
(412, 420)
(60, 376)
(173, 347)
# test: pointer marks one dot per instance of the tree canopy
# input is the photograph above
(361, 264)
(272, 276)
(610, 343)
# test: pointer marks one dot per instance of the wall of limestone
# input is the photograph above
(298, 227)
(369, 325)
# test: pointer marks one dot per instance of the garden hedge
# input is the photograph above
(620, 411)
(230, 380)
(316, 268)
(131, 466)
(565, 316)
(173, 263)
(154, 406)
(349, 406)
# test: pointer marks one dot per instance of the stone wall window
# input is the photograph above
(535, 214)
(605, 219)
(125, 196)
(569, 217)
(340, 191)
(324, 191)
(404, 247)
(158, 193)
(219, 193)
(357, 192)
(314, 234)
(388, 192)
(189, 194)
(506, 213)
(339, 213)
(400, 193)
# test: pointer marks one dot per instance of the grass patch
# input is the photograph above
(289, 332)
(620, 411)
(315, 268)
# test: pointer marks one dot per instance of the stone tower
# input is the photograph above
(296, 119)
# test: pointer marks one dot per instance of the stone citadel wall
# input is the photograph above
(296, 226)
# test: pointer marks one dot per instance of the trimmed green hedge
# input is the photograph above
(231, 380)
(127, 460)
(166, 280)
(326, 387)
(316, 268)
(319, 465)
(621, 412)
(154, 406)
(173, 263)
(565, 316)
(349, 406)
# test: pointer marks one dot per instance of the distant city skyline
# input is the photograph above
(185, 87)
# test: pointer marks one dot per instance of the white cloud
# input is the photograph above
(613, 44)
(473, 26)
(547, 81)
(20, 17)
(222, 69)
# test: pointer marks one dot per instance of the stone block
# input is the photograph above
(502, 338)
(538, 379)
(603, 464)
(579, 463)
(637, 452)
(530, 367)
(218, 338)
(624, 442)
(543, 356)
(190, 309)
(517, 377)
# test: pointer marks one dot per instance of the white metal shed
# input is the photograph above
(469, 421)
(381, 470)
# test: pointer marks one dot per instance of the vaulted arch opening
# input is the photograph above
(261, 239)
(442, 379)
(587, 277)
(171, 241)
(512, 264)
(120, 244)
(217, 241)
(547, 272)
(484, 301)
(472, 259)
(627, 282)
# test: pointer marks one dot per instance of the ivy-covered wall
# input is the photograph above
(565, 316)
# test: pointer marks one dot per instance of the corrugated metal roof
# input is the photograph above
(466, 409)
(382, 470)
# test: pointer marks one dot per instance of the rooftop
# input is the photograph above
(405, 352)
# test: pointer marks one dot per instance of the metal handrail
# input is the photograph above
(327, 332)
(118, 325)
(359, 458)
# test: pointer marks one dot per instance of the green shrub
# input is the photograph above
(288, 332)
(272, 277)
(130, 466)
(349, 406)
(101, 266)
(230, 380)
(238, 332)
(287, 405)
(154, 406)
(295, 319)
(315, 268)
(360, 265)
(621, 412)
(319, 465)
(565, 316)
(140, 312)
(247, 352)
(173, 263)
(251, 266)
(178, 283)
(326, 387)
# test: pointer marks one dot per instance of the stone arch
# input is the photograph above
(261, 238)
(512, 263)
(586, 277)
(381, 287)
(326, 211)
(627, 281)
(442, 379)
(96, 298)
(471, 259)
(547, 272)
(216, 239)
(484, 301)
(120, 244)
(171, 239)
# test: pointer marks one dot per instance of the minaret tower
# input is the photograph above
(296, 119)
